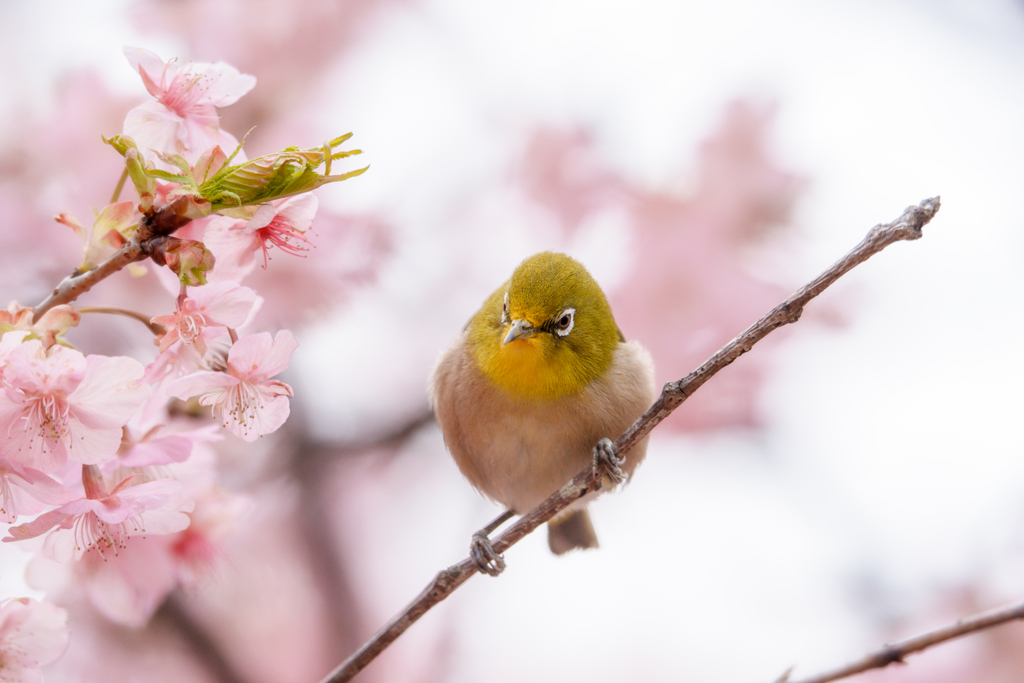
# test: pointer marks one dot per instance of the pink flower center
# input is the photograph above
(92, 533)
(190, 324)
(183, 92)
(47, 416)
(240, 404)
(282, 234)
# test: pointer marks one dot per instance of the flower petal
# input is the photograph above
(111, 388)
(247, 355)
(280, 355)
(202, 382)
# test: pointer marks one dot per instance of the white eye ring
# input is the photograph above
(504, 310)
(562, 330)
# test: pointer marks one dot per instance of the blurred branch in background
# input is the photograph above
(907, 227)
(895, 653)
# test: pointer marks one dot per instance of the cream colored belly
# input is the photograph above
(520, 452)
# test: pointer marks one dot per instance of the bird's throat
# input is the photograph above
(528, 370)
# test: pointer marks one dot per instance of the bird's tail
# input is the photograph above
(570, 531)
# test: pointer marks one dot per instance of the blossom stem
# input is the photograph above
(153, 327)
(120, 186)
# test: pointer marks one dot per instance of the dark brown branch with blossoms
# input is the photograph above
(151, 240)
(908, 226)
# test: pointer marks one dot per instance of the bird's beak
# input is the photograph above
(521, 329)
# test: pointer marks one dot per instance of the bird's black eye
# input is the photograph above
(565, 322)
(504, 309)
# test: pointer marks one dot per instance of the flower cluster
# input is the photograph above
(94, 456)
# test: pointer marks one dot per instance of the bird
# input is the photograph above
(528, 393)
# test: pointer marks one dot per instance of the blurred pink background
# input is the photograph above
(856, 479)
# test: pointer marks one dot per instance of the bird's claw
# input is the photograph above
(484, 556)
(607, 460)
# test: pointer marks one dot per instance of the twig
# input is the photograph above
(154, 225)
(906, 227)
(75, 286)
(890, 654)
(153, 327)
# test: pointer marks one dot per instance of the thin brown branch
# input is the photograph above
(153, 327)
(159, 223)
(906, 227)
(75, 286)
(890, 654)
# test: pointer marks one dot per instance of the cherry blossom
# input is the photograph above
(224, 304)
(129, 586)
(245, 399)
(58, 404)
(282, 224)
(103, 521)
(183, 117)
(25, 491)
(32, 634)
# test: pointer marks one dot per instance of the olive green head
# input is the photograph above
(547, 332)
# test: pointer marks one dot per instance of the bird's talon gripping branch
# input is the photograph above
(607, 460)
(483, 554)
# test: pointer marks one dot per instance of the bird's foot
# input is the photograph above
(606, 459)
(487, 560)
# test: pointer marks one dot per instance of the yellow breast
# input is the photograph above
(530, 369)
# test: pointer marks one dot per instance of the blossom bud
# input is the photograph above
(188, 259)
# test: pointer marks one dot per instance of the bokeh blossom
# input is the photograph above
(32, 634)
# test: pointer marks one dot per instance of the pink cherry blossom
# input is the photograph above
(224, 304)
(103, 521)
(245, 399)
(183, 117)
(25, 491)
(129, 586)
(57, 404)
(179, 360)
(282, 224)
(32, 634)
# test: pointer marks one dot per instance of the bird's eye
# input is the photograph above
(504, 309)
(565, 322)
